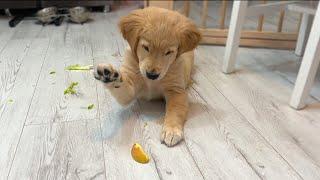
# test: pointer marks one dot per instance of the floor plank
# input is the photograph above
(69, 150)
(266, 115)
(168, 161)
(12, 56)
(227, 131)
(121, 128)
(70, 45)
(20, 57)
(263, 69)
(5, 32)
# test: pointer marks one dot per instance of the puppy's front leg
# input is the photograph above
(176, 114)
(119, 84)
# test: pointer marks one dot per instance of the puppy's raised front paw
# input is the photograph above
(171, 135)
(107, 74)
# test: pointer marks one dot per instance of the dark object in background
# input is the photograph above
(16, 20)
(26, 8)
(47, 15)
(58, 21)
(53, 14)
(73, 3)
(19, 15)
(19, 4)
(26, 4)
(79, 14)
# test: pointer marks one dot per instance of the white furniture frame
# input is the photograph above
(308, 13)
(310, 60)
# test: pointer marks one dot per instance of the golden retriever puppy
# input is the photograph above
(157, 65)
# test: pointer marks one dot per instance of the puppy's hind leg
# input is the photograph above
(119, 84)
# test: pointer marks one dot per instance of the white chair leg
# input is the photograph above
(309, 65)
(237, 19)
(304, 31)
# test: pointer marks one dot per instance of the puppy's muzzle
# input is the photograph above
(152, 75)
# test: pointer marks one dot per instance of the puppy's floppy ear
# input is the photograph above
(131, 27)
(189, 36)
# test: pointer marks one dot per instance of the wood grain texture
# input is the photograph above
(215, 120)
(222, 11)
(70, 150)
(270, 23)
(261, 19)
(19, 58)
(272, 70)
(69, 45)
(268, 8)
(186, 8)
(12, 58)
(280, 22)
(204, 14)
(258, 43)
(5, 33)
(272, 119)
(171, 163)
(162, 4)
(228, 139)
(268, 35)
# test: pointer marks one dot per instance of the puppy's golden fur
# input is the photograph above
(157, 64)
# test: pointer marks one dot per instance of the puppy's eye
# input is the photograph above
(145, 48)
(168, 53)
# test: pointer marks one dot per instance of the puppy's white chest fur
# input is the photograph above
(151, 90)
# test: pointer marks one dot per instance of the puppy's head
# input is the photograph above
(157, 37)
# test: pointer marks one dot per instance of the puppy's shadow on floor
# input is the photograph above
(121, 120)
(152, 110)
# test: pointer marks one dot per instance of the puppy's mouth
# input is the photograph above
(152, 75)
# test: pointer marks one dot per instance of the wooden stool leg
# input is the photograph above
(309, 65)
(237, 19)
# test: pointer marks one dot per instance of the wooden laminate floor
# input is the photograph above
(239, 125)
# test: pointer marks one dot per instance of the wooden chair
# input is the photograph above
(308, 12)
(310, 60)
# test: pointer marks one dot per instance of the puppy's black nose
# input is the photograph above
(152, 75)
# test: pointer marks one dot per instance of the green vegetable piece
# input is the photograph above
(77, 67)
(70, 89)
(91, 106)
(10, 101)
(52, 72)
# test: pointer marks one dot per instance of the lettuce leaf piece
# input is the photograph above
(91, 106)
(77, 67)
(70, 89)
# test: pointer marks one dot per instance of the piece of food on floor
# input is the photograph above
(91, 106)
(138, 154)
(77, 67)
(52, 72)
(70, 89)
(10, 100)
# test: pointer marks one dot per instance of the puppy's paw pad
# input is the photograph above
(171, 135)
(106, 73)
